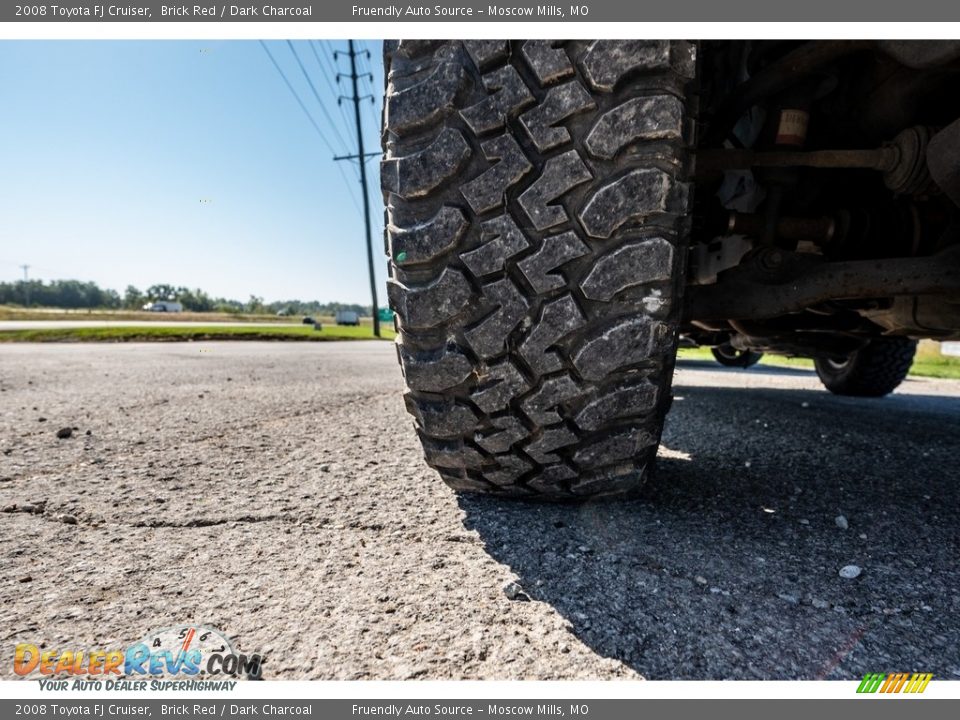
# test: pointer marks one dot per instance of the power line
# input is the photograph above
(328, 71)
(313, 122)
(316, 94)
(297, 98)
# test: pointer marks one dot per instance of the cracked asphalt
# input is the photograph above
(276, 491)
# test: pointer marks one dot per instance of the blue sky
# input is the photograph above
(188, 163)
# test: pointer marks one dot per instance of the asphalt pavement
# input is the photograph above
(277, 492)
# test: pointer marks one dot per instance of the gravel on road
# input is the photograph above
(277, 492)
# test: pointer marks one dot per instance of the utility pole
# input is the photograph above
(26, 285)
(361, 158)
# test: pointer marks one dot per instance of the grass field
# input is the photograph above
(928, 362)
(147, 333)
(9, 312)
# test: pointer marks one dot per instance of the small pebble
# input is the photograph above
(64, 433)
(700, 580)
(849, 572)
(841, 522)
(804, 404)
(68, 519)
(820, 604)
(26, 579)
(804, 522)
(514, 591)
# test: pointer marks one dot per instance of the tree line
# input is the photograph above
(76, 295)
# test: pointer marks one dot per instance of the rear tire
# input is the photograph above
(875, 370)
(729, 356)
(536, 228)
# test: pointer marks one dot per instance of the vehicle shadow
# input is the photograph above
(727, 566)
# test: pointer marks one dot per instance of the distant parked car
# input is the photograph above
(347, 317)
(285, 312)
(308, 321)
(163, 306)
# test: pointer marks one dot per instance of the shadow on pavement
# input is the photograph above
(727, 566)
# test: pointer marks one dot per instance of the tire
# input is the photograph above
(536, 228)
(729, 356)
(875, 370)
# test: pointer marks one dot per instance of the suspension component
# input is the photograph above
(903, 161)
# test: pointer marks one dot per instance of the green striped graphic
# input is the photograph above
(871, 682)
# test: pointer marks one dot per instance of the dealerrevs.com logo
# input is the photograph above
(185, 657)
(910, 683)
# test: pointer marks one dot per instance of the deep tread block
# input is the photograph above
(500, 384)
(430, 305)
(509, 431)
(549, 63)
(459, 481)
(429, 240)
(488, 338)
(560, 103)
(488, 191)
(636, 263)
(446, 419)
(638, 398)
(419, 173)
(607, 62)
(558, 319)
(555, 251)
(541, 406)
(553, 480)
(619, 480)
(659, 117)
(626, 342)
(434, 371)
(510, 469)
(502, 239)
(509, 95)
(560, 175)
(620, 446)
(486, 52)
(630, 198)
(450, 454)
(416, 48)
(552, 439)
(420, 105)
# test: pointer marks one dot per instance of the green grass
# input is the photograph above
(11, 312)
(928, 362)
(147, 333)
